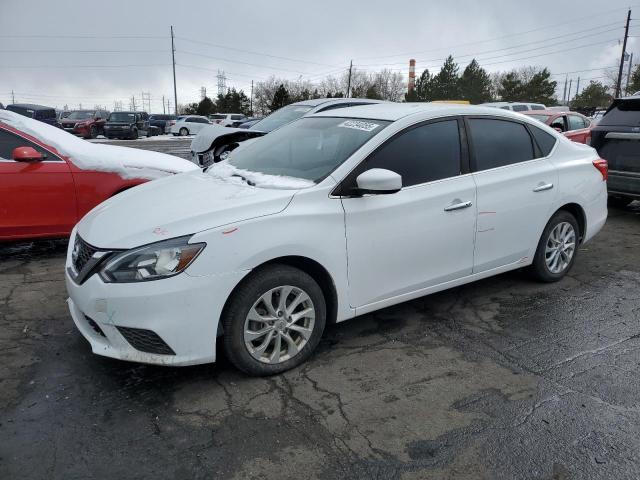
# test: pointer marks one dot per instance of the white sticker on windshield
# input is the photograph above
(359, 125)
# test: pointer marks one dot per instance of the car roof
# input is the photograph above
(31, 106)
(314, 102)
(549, 112)
(395, 111)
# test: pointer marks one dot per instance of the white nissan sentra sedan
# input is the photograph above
(332, 216)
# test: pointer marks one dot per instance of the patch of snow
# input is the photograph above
(229, 173)
(127, 162)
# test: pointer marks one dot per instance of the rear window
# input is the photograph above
(622, 112)
(519, 108)
(45, 114)
(237, 117)
(537, 107)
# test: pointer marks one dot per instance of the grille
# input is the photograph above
(96, 328)
(145, 341)
(82, 253)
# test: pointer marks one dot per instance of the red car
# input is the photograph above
(574, 126)
(85, 123)
(49, 179)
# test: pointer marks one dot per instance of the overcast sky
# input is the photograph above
(57, 52)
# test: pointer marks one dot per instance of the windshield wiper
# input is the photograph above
(247, 181)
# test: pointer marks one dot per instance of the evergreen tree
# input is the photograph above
(280, 98)
(190, 109)
(446, 85)
(540, 88)
(594, 95)
(233, 102)
(634, 81)
(511, 88)
(423, 88)
(206, 107)
(372, 92)
(475, 84)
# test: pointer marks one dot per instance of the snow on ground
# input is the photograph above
(170, 138)
(127, 162)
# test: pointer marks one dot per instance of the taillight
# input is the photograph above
(603, 167)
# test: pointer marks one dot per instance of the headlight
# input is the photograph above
(151, 262)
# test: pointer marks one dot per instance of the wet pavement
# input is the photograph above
(503, 378)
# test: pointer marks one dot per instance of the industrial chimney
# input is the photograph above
(412, 75)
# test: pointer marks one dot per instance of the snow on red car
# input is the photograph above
(49, 179)
(572, 125)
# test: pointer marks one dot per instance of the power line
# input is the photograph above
(240, 62)
(83, 36)
(89, 66)
(82, 51)
(608, 12)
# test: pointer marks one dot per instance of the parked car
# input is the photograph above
(49, 180)
(573, 125)
(213, 144)
(85, 123)
(162, 122)
(515, 106)
(226, 119)
(250, 123)
(242, 121)
(129, 125)
(597, 116)
(335, 215)
(617, 138)
(189, 125)
(37, 112)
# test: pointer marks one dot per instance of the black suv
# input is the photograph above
(129, 125)
(617, 139)
(38, 112)
(162, 121)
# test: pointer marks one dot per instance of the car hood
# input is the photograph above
(172, 207)
(216, 135)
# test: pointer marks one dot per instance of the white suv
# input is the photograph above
(329, 217)
(226, 119)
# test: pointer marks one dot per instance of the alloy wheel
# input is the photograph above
(560, 247)
(279, 324)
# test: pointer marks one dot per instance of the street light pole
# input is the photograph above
(175, 91)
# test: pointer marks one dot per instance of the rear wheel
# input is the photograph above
(134, 134)
(619, 202)
(274, 320)
(557, 248)
(93, 131)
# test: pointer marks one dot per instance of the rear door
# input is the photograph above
(422, 235)
(516, 191)
(36, 198)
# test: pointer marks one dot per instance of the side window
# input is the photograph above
(190, 120)
(497, 143)
(203, 120)
(9, 141)
(520, 108)
(575, 122)
(544, 140)
(421, 154)
(237, 117)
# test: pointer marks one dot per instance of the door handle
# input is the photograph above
(457, 206)
(542, 188)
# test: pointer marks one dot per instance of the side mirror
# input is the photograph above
(26, 154)
(379, 181)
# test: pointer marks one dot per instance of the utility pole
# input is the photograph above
(626, 88)
(169, 107)
(13, 97)
(349, 81)
(163, 105)
(569, 91)
(173, 58)
(251, 99)
(564, 93)
(577, 88)
(624, 52)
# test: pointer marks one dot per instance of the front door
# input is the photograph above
(36, 198)
(422, 235)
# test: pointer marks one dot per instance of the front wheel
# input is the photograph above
(134, 134)
(93, 132)
(184, 132)
(557, 248)
(274, 320)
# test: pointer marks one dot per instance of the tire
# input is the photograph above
(248, 298)
(560, 233)
(619, 202)
(184, 132)
(93, 131)
(134, 134)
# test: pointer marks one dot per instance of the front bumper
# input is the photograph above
(183, 311)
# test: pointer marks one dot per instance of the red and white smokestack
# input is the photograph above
(412, 75)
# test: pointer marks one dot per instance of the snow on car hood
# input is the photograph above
(127, 162)
(228, 172)
(176, 206)
(203, 141)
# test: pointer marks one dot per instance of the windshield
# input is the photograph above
(308, 149)
(122, 117)
(80, 114)
(542, 118)
(281, 117)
